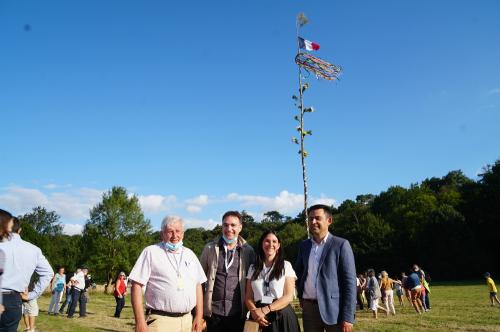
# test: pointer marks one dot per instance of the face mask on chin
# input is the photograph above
(228, 241)
(173, 246)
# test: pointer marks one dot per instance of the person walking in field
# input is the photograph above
(120, 293)
(413, 284)
(57, 287)
(492, 288)
(386, 286)
(399, 292)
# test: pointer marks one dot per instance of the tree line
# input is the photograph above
(450, 226)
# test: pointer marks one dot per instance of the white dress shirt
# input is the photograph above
(156, 269)
(21, 260)
(312, 269)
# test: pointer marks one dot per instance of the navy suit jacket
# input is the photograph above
(336, 284)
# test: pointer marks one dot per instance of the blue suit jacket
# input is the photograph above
(336, 284)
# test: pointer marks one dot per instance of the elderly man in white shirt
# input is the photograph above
(78, 282)
(172, 275)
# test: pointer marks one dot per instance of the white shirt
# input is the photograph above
(156, 269)
(21, 260)
(276, 287)
(312, 269)
(80, 280)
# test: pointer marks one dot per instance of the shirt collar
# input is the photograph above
(322, 241)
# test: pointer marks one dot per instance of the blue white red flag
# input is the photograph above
(308, 45)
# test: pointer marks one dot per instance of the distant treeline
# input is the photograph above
(450, 226)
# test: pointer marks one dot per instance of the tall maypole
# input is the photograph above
(321, 69)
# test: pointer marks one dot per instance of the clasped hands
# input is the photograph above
(259, 315)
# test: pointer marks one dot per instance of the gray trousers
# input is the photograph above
(312, 321)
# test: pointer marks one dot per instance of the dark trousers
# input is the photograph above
(218, 323)
(120, 303)
(75, 298)
(312, 321)
(13, 311)
(84, 298)
(67, 301)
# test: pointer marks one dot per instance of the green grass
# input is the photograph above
(455, 307)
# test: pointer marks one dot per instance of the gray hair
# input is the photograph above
(170, 220)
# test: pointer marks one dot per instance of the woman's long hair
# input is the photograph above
(279, 259)
(5, 218)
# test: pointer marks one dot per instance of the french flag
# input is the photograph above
(308, 45)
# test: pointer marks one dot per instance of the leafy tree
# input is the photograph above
(115, 234)
(42, 221)
(194, 239)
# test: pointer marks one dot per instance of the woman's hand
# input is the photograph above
(259, 316)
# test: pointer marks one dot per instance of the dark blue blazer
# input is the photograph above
(336, 287)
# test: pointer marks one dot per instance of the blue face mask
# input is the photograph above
(173, 246)
(228, 241)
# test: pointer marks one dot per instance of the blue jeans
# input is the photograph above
(67, 302)
(75, 297)
(54, 302)
(120, 303)
(9, 319)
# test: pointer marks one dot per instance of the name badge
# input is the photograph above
(267, 299)
(180, 284)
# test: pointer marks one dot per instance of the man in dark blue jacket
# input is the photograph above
(326, 274)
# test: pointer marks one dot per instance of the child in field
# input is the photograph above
(399, 292)
(492, 288)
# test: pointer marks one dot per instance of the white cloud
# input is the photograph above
(196, 223)
(494, 91)
(157, 203)
(70, 205)
(195, 204)
(322, 199)
(72, 229)
(50, 186)
(286, 202)
(193, 208)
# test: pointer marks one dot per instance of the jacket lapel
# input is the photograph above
(326, 249)
(305, 256)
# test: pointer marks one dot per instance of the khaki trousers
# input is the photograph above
(157, 323)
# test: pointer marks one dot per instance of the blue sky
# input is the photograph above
(188, 104)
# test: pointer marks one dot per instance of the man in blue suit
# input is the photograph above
(326, 274)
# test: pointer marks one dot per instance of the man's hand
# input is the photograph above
(346, 326)
(198, 324)
(24, 296)
(141, 327)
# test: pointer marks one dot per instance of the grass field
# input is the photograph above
(455, 307)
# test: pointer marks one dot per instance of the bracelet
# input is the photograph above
(269, 306)
(254, 309)
(262, 310)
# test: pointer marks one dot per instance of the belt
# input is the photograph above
(164, 313)
(310, 300)
(9, 292)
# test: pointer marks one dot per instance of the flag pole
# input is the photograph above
(301, 131)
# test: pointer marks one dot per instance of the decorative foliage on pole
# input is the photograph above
(321, 69)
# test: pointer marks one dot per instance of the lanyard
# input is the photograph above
(266, 274)
(177, 265)
(227, 263)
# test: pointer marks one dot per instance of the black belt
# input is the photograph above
(164, 313)
(9, 292)
(311, 301)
